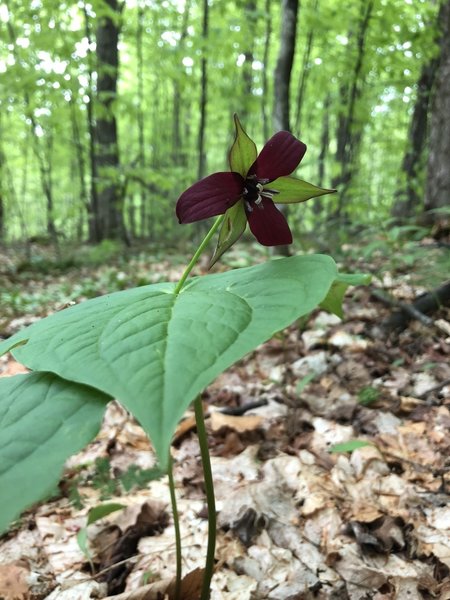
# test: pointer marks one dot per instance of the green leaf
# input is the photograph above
(103, 510)
(43, 420)
(291, 190)
(233, 226)
(156, 351)
(348, 446)
(95, 514)
(243, 152)
(336, 293)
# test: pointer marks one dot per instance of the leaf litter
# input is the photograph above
(295, 520)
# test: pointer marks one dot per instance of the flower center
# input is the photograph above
(254, 192)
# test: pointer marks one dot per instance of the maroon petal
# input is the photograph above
(280, 157)
(268, 224)
(209, 197)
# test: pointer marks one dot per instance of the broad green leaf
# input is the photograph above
(43, 420)
(333, 301)
(233, 226)
(156, 351)
(292, 190)
(243, 152)
(95, 514)
(349, 446)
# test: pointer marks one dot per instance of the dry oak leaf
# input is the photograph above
(191, 587)
(239, 424)
(13, 582)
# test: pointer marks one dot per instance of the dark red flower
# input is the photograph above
(252, 186)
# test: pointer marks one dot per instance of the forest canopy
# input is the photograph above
(109, 109)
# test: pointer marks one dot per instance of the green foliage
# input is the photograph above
(95, 514)
(45, 419)
(103, 253)
(368, 395)
(333, 301)
(46, 65)
(133, 344)
(349, 446)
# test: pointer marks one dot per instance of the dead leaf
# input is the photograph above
(13, 582)
(239, 424)
(191, 586)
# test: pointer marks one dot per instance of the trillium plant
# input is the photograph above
(155, 348)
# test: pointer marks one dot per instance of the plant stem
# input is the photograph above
(198, 252)
(210, 499)
(176, 523)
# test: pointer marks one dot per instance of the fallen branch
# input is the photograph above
(424, 305)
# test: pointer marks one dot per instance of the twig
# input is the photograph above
(435, 388)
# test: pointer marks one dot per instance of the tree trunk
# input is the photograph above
(349, 133)
(178, 152)
(93, 212)
(140, 116)
(250, 20)
(283, 69)
(410, 191)
(110, 203)
(204, 95)
(306, 69)
(265, 84)
(282, 79)
(438, 176)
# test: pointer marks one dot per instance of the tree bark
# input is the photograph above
(93, 212)
(110, 203)
(438, 176)
(178, 153)
(283, 69)
(203, 95)
(306, 69)
(349, 133)
(250, 19)
(410, 191)
(140, 117)
(265, 85)
(282, 79)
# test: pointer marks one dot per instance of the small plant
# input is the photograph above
(368, 395)
(155, 348)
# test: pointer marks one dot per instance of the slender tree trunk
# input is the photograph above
(349, 132)
(44, 161)
(438, 176)
(204, 94)
(324, 140)
(80, 164)
(143, 196)
(306, 69)
(250, 19)
(178, 152)
(265, 85)
(283, 69)
(282, 79)
(93, 211)
(110, 203)
(410, 191)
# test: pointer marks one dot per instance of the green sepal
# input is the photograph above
(243, 152)
(233, 226)
(292, 190)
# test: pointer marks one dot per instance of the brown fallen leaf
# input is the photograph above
(13, 582)
(239, 424)
(191, 587)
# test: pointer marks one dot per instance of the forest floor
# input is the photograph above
(330, 450)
